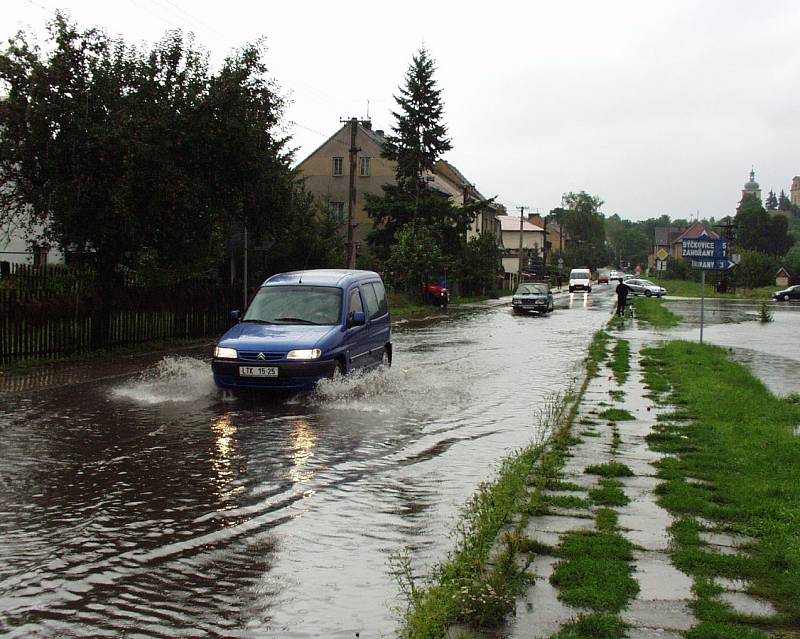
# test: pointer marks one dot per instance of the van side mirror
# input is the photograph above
(357, 318)
(236, 315)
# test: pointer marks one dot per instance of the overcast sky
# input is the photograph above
(656, 107)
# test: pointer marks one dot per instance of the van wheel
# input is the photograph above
(338, 371)
(386, 358)
(589, 290)
(570, 289)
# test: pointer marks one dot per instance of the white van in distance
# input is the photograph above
(580, 279)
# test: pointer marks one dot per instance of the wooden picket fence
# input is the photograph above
(50, 312)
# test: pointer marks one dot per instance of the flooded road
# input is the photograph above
(151, 506)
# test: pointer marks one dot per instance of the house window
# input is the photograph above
(337, 212)
(338, 166)
(364, 167)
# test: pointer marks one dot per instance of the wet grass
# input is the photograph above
(610, 493)
(594, 626)
(610, 469)
(617, 395)
(654, 312)
(598, 352)
(616, 415)
(621, 360)
(596, 571)
(742, 444)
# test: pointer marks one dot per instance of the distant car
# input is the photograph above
(533, 297)
(437, 295)
(791, 293)
(603, 277)
(644, 287)
(580, 279)
(615, 275)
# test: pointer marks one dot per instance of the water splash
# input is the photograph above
(173, 379)
(388, 390)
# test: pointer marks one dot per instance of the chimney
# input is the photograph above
(367, 124)
(379, 132)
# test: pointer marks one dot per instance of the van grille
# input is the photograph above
(253, 356)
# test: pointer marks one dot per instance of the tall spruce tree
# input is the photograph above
(420, 137)
(771, 203)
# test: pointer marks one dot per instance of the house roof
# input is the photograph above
(369, 132)
(665, 235)
(511, 223)
(696, 230)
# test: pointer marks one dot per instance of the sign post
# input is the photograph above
(707, 254)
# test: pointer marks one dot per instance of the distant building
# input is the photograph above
(692, 233)
(532, 238)
(794, 196)
(15, 249)
(664, 238)
(752, 187)
(326, 172)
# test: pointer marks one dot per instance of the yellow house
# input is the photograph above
(327, 174)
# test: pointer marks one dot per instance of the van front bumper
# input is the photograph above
(291, 375)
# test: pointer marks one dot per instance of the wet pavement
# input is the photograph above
(148, 504)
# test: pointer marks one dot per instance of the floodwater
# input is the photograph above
(147, 504)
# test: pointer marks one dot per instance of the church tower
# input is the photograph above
(794, 197)
(752, 187)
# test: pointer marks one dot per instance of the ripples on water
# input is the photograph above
(156, 507)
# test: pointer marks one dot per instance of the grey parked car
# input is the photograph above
(645, 287)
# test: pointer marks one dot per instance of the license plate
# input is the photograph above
(258, 371)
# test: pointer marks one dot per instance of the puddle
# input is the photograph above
(745, 604)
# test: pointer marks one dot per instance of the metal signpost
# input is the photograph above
(707, 254)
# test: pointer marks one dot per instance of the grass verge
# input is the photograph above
(742, 445)
(654, 312)
(690, 288)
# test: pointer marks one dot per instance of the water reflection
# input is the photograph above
(226, 452)
(579, 299)
(303, 441)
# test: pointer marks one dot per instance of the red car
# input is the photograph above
(437, 295)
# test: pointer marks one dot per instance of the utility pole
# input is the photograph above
(521, 218)
(351, 201)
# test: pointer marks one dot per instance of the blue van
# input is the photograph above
(304, 326)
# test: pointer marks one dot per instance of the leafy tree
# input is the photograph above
(758, 230)
(755, 269)
(585, 226)
(414, 258)
(137, 159)
(627, 241)
(480, 265)
(771, 203)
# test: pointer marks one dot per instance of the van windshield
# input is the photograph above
(577, 275)
(320, 305)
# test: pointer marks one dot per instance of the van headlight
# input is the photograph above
(225, 353)
(306, 353)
